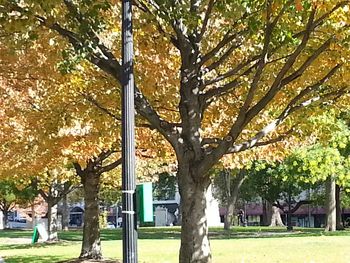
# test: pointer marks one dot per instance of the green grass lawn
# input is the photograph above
(251, 244)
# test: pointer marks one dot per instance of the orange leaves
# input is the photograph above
(298, 5)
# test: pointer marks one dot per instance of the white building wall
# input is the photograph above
(213, 215)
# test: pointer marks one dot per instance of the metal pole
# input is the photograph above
(128, 138)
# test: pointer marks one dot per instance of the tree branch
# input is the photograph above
(226, 40)
(255, 141)
(78, 169)
(113, 68)
(322, 18)
(296, 74)
(230, 73)
(276, 86)
(99, 106)
(289, 109)
(208, 96)
(110, 166)
(299, 204)
(224, 56)
(103, 156)
(206, 19)
(43, 194)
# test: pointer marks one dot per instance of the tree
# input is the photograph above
(7, 200)
(273, 183)
(59, 120)
(55, 128)
(316, 164)
(90, 179)
(244, 67)
(53, 187)
(10, 196)
(227, 184)
(165, 187)
(326, 160)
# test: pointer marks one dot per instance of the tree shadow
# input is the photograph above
(77, 260)
(31, 258)
(37, 245)
(16, 233)
(116, 234)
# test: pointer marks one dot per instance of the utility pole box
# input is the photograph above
(144, 198)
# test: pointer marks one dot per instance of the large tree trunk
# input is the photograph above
(53, 224)
(195, 245)
(33, 215)
(5, 208)
(65, 213)
(289, 220)
(289, 213)
(91, 246)
(276, 219)
(232, 198)
(230, 208)
(49, 206)
(52, 219)
(5, 212)
(339, 222)
(330, 205)
(267, 213)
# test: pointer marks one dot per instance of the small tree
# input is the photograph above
(7, 199)
(53, 187)
(227, 184)
(165, 187)
(316, 164)
(270, 181)
(12, 194)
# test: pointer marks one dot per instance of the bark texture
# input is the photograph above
(339, 221)
(90, 178)
(195, 246)
(330, 205)
(267, 213)
(52, 219)
(91, 246)
(5, 220)
(232, 197)
(276, 219)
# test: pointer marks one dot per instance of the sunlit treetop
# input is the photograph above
(260, 67)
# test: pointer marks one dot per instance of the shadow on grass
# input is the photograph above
(15, 233)
(34, 259)
(267, 232)
(116, 234)
(175, 233)
(214, 233)
(37, 245)
(77, 260)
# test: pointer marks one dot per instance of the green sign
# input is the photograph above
(144, 202)
(35, 236)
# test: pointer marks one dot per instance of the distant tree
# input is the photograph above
(165, 187)
(11, 195)
(269, 181)
(227, 184)
(53, 187)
